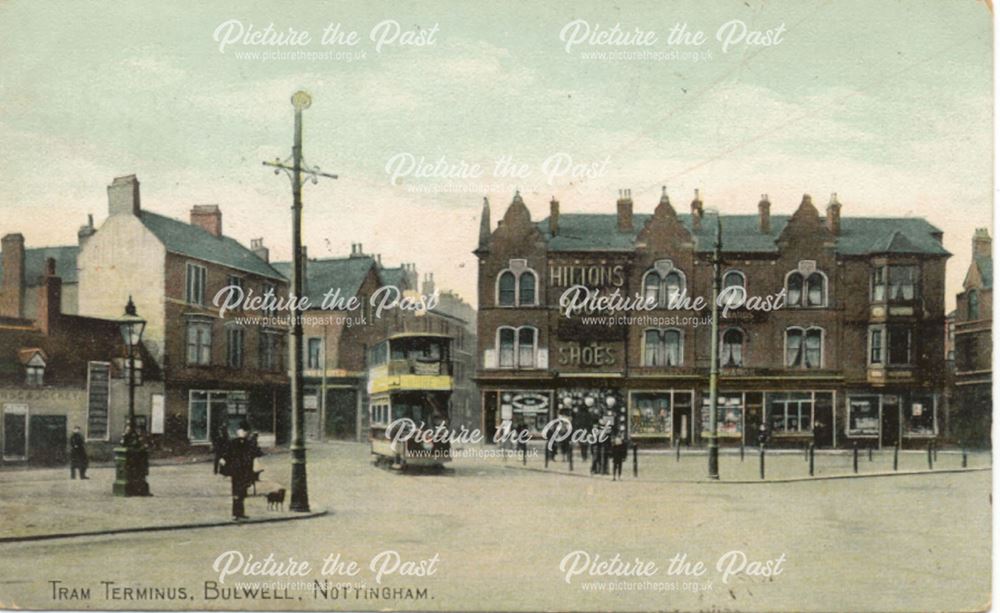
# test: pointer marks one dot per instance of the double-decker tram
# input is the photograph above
(409, 377)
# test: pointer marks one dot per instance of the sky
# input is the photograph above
(889, 104)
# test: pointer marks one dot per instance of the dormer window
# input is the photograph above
(34, 361)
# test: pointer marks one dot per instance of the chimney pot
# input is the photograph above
(832, 214)
(123, 196)
(208, 217)
(764, 207)
(625, 210)
(12, 289)
(697, 210)
(553, 216)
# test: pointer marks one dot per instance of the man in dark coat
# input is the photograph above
(77, 455)
(237, 464)
(220, 439)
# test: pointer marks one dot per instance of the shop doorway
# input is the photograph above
(15, 433)
(48, 440)
(890, 421)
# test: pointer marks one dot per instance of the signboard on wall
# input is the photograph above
(157, 414)
(98, 400)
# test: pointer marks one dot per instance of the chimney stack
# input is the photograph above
(49, 298)
(553, 216)
(258, 248)
(833, 215)
(123, 196)
(624, 210)
(412, 278)
(12, 290)
(86, 231)
(697, 210)
(428, 288)
(208, 217)
(764, 207)
(357, 250)
(982, 244)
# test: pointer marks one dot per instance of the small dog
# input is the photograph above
(276, 500)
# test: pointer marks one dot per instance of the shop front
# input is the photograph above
(661, 415)
(906, 417)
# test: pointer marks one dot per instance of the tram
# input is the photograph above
(409, 376)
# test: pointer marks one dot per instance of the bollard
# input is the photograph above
(870, 453)
(855, 458)
(930, 455)
(635, 460)
(570, 458)
(812, 459)
(678, 445)
(524, 456)
(741, 450)
(546, 457)
(965, 458)
(895, 457)
(762, 460)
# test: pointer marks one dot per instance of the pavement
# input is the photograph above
(44, 503)
(481, 536)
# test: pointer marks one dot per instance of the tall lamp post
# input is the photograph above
(131, 457)
(300, 489)
(713, 373)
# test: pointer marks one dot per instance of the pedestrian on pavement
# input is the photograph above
(237, 464)
(220, 439)
(619, 451)
(77, 455)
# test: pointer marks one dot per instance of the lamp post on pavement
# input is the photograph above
(131, 457)
(298, 171)
(713, 376)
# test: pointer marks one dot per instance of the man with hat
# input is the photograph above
(237, 464)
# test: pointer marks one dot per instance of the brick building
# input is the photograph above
(336, 342)
(217, 370)
(856, 354)
(59, 371)
(971, 396)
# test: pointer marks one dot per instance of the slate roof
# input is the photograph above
(34, 263)
(741, 234)
(346, 274)
(192, 241)
(395, 277)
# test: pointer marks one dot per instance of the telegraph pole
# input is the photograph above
(713, 373)
(299, 485)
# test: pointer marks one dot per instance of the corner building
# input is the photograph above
(855, 355)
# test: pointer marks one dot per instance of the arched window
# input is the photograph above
(805, 291)
(526, 288)
(731, 355)
(662, 347)
(794, 285)
(507, 288)
(737, 296)
(517, 347)
(804, 347)
(973, 299)
(651, 287)
(505, 342)
(816, 289)
(517, 288)
(663, 290)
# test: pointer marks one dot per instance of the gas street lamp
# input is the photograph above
(131, 457)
